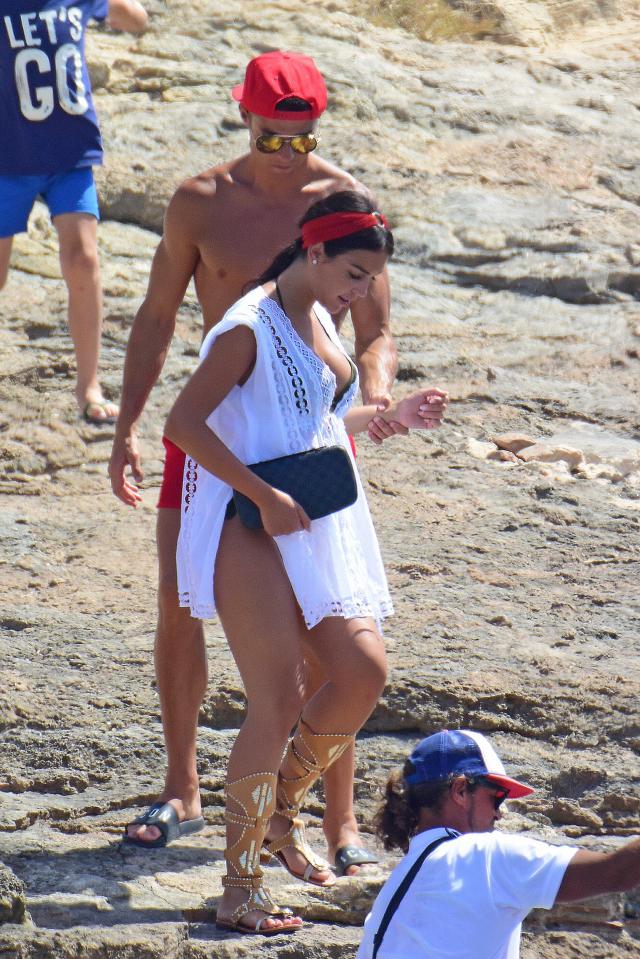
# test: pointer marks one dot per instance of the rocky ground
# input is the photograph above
(511, 177)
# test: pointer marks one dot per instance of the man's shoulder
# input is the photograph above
(196, 200)
(202, 186)
(210, 189)
(504, 844)
(326, 178)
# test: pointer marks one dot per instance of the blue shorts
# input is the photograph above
(70, 192)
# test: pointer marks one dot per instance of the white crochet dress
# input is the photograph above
(284, 407)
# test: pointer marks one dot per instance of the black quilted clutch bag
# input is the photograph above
(322, 481)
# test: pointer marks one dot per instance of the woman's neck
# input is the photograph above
(293, 285)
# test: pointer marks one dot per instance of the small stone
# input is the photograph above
(513, 442)
(12, 901)
(633, 254)
(572, 832)
(503, 456)
(569, 812)
(500, 620)
(541, 453)
(479, 449)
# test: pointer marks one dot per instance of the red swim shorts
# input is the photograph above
(171, 489)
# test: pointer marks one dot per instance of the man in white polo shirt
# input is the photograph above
(462, 890)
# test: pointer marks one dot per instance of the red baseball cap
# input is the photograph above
(273, 77)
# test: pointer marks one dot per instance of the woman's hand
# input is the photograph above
(423, 409)
(282, 515)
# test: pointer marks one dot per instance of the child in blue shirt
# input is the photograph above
(50, 142)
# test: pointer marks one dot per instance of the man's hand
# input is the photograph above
(125, 453)
(379, 429)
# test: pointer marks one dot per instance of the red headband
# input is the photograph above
(332, 226)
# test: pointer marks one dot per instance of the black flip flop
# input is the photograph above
(352, 856)
(98, 420)
(164, 817)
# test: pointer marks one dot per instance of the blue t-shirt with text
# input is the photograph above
(48, 123)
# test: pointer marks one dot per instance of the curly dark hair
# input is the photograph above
(396, 820)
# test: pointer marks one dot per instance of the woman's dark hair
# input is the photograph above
(373, 238)
(397, 818)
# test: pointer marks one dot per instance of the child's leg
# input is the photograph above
(73, 205)
(77, 233)
(5, 256)
(17, 196)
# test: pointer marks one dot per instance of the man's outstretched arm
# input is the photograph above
(151, 333)
(597, 873)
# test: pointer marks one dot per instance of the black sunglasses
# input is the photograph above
(499, 795)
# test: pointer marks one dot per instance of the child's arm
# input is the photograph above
(127, 15)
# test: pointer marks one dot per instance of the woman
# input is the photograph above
(274, 379)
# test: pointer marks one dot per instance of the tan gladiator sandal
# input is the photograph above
(313, 753)
(256, 796)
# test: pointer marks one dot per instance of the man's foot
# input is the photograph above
(347, 852)
(173, 819)
(296, 856)
(348, 859)
(230, 916)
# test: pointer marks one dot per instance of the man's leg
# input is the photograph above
(5, 256)
(181, 673)
(339, 821)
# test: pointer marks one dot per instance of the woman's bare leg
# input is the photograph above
(351, 653)
(339, 820)
(261, 621)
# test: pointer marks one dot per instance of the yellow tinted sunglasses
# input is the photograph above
(272, 142)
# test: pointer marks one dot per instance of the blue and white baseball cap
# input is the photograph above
(461, 752)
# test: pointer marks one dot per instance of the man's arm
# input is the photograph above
(375, 349)
(597, 873)
(127, 15)
(173, 266)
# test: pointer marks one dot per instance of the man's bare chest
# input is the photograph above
(244, 243)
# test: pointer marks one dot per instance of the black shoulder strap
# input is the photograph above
(400, 892)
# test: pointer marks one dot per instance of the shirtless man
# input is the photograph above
(223, 228)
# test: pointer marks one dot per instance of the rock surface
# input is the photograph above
(12, 901)
(512, 181)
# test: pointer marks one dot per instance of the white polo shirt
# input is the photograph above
(469, 897)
